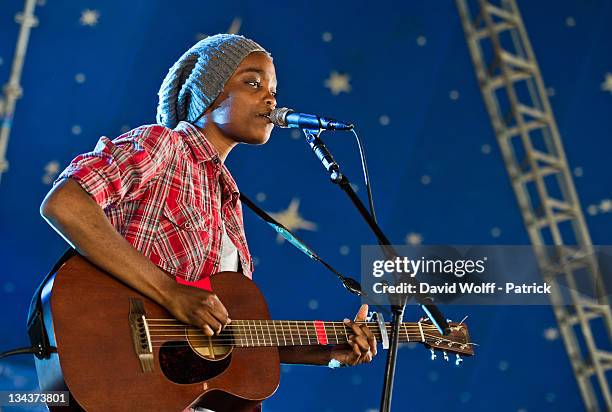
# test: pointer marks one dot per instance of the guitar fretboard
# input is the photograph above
(252, 333)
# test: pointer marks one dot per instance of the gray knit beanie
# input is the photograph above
(198, 77)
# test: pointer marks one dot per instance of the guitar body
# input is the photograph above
(86, 315)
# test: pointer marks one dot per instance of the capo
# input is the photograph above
(383, 329)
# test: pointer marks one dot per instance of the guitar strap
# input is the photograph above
(350, 284)
(36, 325)
(282, 230)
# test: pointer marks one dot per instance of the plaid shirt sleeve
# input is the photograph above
(121, 170)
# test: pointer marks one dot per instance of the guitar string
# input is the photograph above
(270, 332)
(291, 322)
(228, 341)
(269, 342)
(304, 331)
(287, 320)
(237, 342)
(257, 335)
(258, 330)
(275, 329)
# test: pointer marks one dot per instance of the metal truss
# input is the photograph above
(517, 102)
(12, 89)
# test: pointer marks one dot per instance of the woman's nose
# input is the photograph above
(271, 100)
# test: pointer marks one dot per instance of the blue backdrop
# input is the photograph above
(402, 73)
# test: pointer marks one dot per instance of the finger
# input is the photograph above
(355, 346)
(207, 330)
(371, 338)
(355, 355)
(362, 341)
(211, 321)
(373, 347)
(355, 327)
(219, 312)
(366, 357)
(358, 354)
(362, 314)
(366, 331)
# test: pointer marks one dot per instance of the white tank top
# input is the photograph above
(229, 253)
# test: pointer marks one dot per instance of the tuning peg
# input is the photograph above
(459, 360)
(445, 356)
(433, 354)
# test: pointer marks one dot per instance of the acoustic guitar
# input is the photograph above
(118, 350)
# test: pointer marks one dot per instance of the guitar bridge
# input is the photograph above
(140, 334)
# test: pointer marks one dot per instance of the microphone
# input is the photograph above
(284, 117)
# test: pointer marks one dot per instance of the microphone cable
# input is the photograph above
(366, 175)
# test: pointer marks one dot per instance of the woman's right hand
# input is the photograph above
(197, 307)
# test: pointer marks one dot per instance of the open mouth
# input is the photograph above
(265, 116)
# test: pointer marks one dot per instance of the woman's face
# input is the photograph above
(248, 97)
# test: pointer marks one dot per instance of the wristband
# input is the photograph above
(334, 364)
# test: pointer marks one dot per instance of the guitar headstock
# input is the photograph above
(457, 341)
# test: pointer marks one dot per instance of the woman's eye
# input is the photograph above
(254, 83)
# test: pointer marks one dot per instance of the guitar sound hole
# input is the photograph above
(180, 364)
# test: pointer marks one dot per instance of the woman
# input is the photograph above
(158, 209)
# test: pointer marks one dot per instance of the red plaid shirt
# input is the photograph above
(159, 189)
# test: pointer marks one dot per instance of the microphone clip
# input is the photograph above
(320, 150)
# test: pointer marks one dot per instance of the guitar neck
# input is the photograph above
(257, 333)
(251, 333)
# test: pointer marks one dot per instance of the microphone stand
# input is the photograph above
(398, 304)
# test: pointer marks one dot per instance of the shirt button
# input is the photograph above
(216, 160)
(188, 226)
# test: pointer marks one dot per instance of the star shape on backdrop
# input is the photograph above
(51, 171)
(604, 206)
(52, 167)
(578, 172)
(414, 238)
(551, 334)
(606, 86)
(338, 83)
(89, 17)
(384, 120)
(234, 28)
(291, 219)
